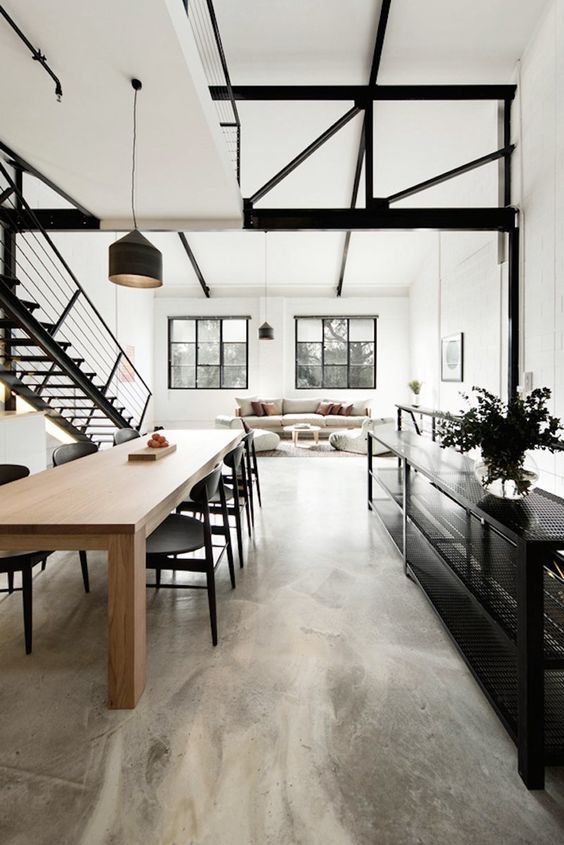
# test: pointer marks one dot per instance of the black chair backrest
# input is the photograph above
(73, 451)
(207, 487)
(12, 472)
(233, 458)
(248, 438)
(122, 435)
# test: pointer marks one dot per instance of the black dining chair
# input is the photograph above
(236, 503)
(64, 455)
(23, 562)
(252, 461)
(123, 435)
(180, 534)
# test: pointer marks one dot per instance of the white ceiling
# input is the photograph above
(279, 41)
(84, 143)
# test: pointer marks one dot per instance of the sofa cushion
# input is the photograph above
(300, 406)
(360, 406)
(244, 404)
(311, 419)
(335, 409)
(345, 422)
(257, 408)
(346, 409)
(276, 402)
(270, 409)
(324, 408)
(264, 422)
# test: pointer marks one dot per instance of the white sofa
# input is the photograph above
(295, 411)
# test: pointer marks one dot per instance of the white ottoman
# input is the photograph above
(357, 441)
(265, 441)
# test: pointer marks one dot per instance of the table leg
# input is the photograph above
(126, 620)
(316, 437)
(295, 438)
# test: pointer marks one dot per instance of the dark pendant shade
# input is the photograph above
(266, 332)
(135, 262)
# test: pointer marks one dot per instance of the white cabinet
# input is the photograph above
(23, 439)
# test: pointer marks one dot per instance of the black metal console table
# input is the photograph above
(483, 564)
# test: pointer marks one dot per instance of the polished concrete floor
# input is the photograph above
(333, 712)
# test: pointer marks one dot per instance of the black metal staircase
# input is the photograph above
(56, 350)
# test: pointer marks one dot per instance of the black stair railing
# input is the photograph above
(203, 21)
(54, 298)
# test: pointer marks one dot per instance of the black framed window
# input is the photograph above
(208, 353)
(335, 352)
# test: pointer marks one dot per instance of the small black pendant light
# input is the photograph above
(134, 261)
(265, 332)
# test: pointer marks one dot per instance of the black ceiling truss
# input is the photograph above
(195, 265)
(362, 93)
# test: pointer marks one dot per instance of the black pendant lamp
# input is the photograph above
(134, 261)
(265, 332)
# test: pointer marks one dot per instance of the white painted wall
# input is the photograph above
(540, 194)
(271, 363)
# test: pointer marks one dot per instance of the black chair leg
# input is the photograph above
(256, 475)
(84, 567)
(227, 533)
(246, 498)
(158, 577)
(27, 606)
(210, 577)
(239, 530)
(10, 582)
(43, 564)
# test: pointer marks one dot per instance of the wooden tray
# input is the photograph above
(149, 454)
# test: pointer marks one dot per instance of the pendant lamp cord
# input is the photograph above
(133, 159)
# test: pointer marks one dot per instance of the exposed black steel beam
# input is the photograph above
(380, 218)
(38, 56)
(366, 143)
(57, 219)
(379, 42)
(6, 194)
(450, 174)
(194, 263)
(305, 154)
(507, 161)
(15, 158)
(356, 185)
(513, 314)
(361, 93)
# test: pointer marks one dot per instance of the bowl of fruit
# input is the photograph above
(157, 441)
(157, 447)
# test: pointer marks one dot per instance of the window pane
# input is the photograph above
(208, 330)
(310, 330)
(335, 377)
(335, 352)
(234, 353)
(309, 353)
(208, 353)
(183, 331)
(309, 376)
(362, 353)
(183, 354)
(362, 376)
(208, 377)
(361, 330)
(235, 331)
(335, 330)
(234, 377)
(182, 377)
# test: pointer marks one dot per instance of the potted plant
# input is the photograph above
(415, 387)
(503, 432)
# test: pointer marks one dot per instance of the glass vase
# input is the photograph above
(507, 488)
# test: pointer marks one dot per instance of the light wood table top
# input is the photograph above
(105, 501)
(106, 493)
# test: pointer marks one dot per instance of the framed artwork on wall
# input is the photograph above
(452, 357)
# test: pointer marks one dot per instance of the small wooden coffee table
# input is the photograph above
(297, 430)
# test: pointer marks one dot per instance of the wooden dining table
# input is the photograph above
(105, 501)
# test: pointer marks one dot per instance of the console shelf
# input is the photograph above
(481, 563)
